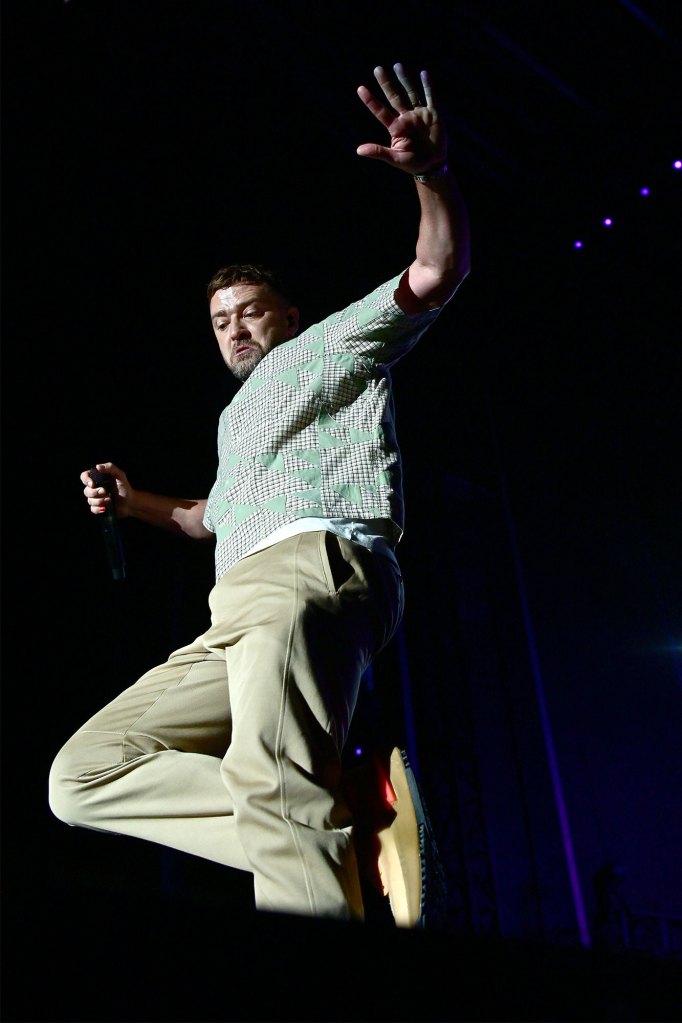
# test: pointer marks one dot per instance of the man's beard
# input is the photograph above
(246, 365)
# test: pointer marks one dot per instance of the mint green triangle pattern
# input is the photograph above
(328, 440)
(251, 385)
(366, 316)
(288, 376)
(271, 460)
(360, 436)
(351, 491)
(344, 359)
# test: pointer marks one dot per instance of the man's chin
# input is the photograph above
(244, 367)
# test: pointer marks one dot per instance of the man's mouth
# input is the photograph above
(241, 348)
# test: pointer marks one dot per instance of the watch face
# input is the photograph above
(436, 172)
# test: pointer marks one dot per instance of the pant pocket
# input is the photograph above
(337, 570)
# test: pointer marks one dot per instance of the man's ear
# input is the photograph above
(293, 318)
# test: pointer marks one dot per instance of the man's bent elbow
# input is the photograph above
(424, 288)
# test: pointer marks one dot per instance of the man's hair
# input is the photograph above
(246, 273)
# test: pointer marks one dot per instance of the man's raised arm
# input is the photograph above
(419, 146)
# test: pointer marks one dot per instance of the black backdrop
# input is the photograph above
(147, 143)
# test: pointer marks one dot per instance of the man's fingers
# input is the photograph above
(390, 91)
(373, 151)
(417, 139)
(376, 108)
(428, 91)
(96, 494)
(397, 101)
(393, 156)
(407, 85)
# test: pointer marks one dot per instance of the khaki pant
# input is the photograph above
(231, 750)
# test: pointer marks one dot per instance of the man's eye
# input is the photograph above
(221, 326)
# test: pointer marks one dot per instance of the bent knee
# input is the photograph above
(62, 799)
(64, 787)
(78, 766)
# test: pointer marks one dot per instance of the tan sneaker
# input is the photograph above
(399, 861)
(393, 837)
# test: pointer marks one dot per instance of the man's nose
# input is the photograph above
(238, 328)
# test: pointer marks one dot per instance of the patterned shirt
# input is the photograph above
(311, 432)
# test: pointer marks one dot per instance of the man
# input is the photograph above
(231, 750)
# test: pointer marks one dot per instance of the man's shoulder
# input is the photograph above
(380, 300)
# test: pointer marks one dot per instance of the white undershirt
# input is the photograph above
(356, 530)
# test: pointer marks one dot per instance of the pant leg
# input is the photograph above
(273, 682)
(148, 764)
(301, 621)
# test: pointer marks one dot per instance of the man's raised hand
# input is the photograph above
(418, 140)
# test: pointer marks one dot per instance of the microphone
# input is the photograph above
(109, 524)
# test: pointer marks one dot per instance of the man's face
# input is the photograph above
(249, 320)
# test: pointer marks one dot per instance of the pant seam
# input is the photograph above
(280, 729)
(124, 735)
(324, 563)
(113, 765)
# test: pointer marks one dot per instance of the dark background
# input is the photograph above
(147, 143)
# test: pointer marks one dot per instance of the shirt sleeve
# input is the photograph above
(375, 328)
(208, 521)
(210, 504)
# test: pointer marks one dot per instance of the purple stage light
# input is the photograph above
(577, 245)
(678, 164)
(607, 222)
(644, 191)
(358, 751)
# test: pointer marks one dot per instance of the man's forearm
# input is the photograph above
(443, 245)
(178, 515)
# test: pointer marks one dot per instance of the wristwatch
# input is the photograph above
(431, 175)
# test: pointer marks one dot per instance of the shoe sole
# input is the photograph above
(401, 846)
